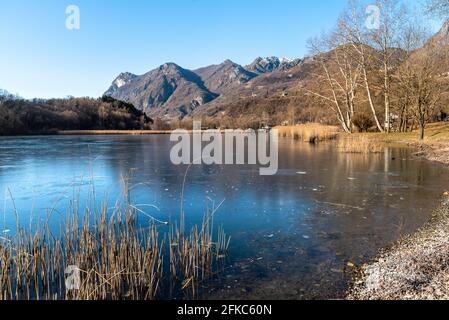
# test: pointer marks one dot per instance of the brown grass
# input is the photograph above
(115, 257)
(437, 135)
(194, 255)
(311, 132)
(360, 143)
(115, 260)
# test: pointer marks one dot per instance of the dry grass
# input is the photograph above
(360, 143)
(115, 257)
(435, 133)
(311, 132)
(436, 141)
(195, 256)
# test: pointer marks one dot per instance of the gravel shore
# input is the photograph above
(416, 268)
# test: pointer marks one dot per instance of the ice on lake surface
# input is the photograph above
(296, 230)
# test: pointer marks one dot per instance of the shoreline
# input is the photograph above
(118, 132)
(112, 132)
(413, 268)
(416, 267)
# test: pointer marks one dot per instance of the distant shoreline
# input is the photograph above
(134, 132)
(112, 132)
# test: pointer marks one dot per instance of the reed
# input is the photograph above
(360, 143)
(115, 257)
(114, 260)
(196, 256)
(311, 132)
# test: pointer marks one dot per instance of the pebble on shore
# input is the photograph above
(416, 268)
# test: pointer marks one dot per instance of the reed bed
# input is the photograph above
(360, 143)
(196, 256)
(311, 132)
(111, 257)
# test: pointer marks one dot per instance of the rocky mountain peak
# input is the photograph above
(3, 92)
(444, 31)
(442, 36)
(222, 77)
(167, 91)
(122, 80)
(269, 64)
(169, 67)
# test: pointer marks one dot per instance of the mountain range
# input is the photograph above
(171, 91)
(267, 85)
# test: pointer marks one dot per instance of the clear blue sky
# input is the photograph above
(39, 57)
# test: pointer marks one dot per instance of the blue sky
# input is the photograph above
(39, 57)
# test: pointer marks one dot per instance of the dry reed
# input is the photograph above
(114, 257)
(311, 132)
(114, 260)
(360, 143)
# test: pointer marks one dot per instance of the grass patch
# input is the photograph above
(311, 132)
(360, 143)
(436, 133)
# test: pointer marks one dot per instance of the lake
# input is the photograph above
(295, 235)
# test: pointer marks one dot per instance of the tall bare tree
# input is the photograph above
(423, 83)
(385, 38)
(338, 81)
(352, 28)
(413, 36)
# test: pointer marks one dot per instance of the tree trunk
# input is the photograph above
(370, 100)
(422, 131)
(387, 100)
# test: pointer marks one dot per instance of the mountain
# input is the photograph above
(122, 80)
(171, 91)
(436, 48)
(270, 64)
(223, 77)
(442, 37)
(168, 91)
(275, 88)
(3, 92)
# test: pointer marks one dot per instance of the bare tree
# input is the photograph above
(413, 36)
(438, 8)
(423, 83)
(353, 30)
(338, 81)
(385, 39)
